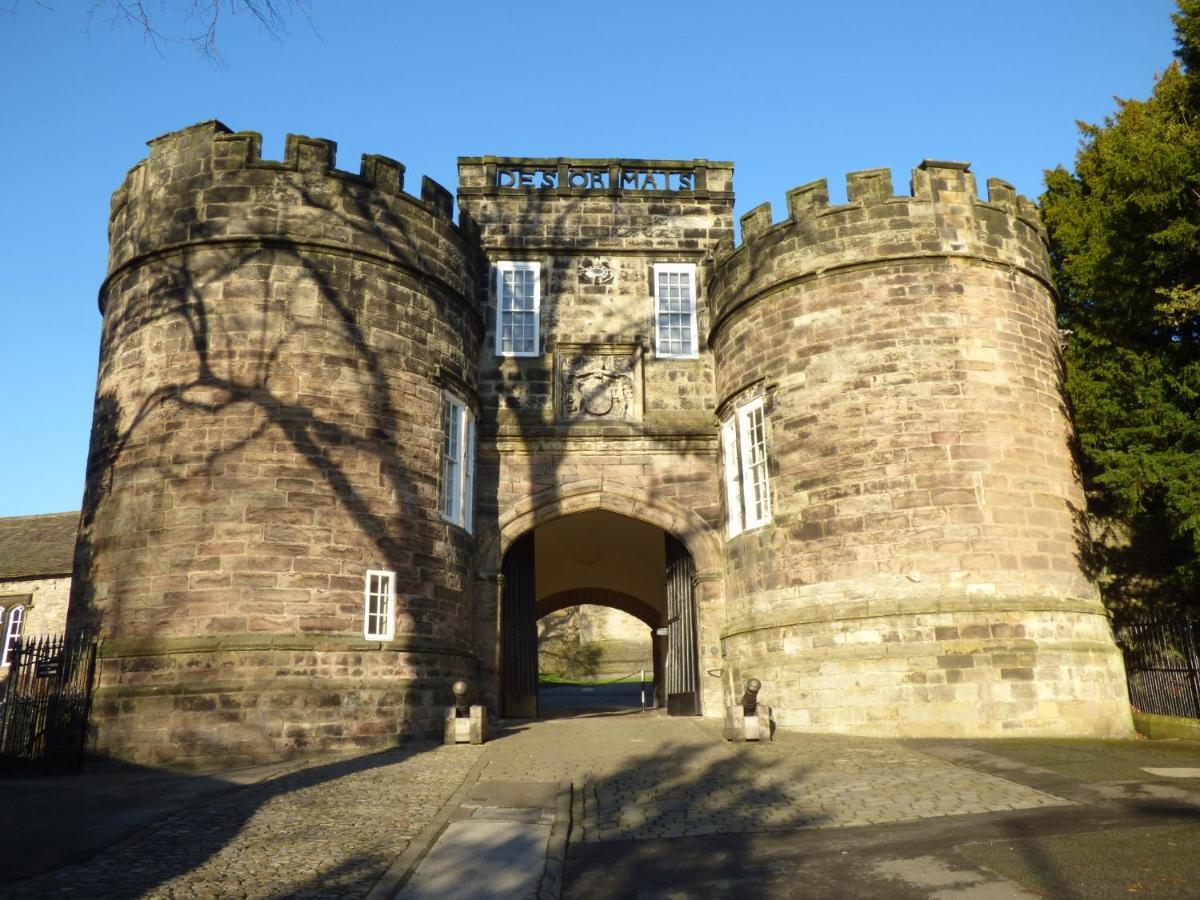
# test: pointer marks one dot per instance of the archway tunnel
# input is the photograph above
(592, 559)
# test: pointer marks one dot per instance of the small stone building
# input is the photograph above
(349, 447)
(36, 556)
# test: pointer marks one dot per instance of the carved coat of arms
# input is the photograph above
(595, 271)
(599, 387)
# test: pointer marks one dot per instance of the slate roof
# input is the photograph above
(37, 545)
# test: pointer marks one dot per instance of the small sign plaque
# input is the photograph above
(48, 668)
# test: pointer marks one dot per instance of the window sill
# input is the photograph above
(749, 529)
(456, 524)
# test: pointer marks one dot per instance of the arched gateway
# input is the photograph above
(342, 442)
(599, 557)
(609, 544)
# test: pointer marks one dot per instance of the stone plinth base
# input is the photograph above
(188, 707)
(468, 729)
(965, 673)
(741, 727)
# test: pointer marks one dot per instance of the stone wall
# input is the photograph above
(45, 602)
(594, 640)
(921, 574)
(276, 340)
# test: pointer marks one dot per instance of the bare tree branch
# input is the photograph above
(196, 23)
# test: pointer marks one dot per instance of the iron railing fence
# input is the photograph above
(47, 698)
(1162, 663)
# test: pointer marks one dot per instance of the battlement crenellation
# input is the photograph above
(942, 215)
(231, 150)
(207, 183)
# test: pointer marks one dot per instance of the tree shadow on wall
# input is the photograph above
(256, 374)
(525, 411)
(561, 650)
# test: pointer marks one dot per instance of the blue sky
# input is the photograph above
(790, 92)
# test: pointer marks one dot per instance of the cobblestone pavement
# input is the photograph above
(330, 830)
(651, 776)
(326, 831)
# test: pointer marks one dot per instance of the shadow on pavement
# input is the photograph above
(1118, 837)
(560, 700)
(179, 821)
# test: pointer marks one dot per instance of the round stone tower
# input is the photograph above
(278, 343)
(920, 573)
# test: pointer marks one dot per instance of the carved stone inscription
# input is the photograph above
(600, 384)
(589, 179)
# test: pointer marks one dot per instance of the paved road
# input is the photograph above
(651, 776)
(327, 831)
(663, 807)
(827, 816)
(573, 700)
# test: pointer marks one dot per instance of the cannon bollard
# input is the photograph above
(466, 723)
(748, 720)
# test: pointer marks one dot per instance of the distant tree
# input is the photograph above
(1124, 233)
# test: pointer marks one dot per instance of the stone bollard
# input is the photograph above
(465, 723)
(748, 720)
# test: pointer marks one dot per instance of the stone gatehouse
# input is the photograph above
(347, 449)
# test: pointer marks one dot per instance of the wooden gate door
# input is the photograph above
(518, 632)
(683, 671)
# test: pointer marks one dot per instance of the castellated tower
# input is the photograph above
(276, 342)
(920, 574)
(346, 451)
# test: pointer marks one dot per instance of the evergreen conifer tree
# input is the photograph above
(1124, 233)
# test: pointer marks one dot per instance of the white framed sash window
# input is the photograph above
(518, 308)
(379, 602)
(675, 310)
(744, 461)
(458, 461)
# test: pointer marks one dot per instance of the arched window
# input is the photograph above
(11, 632)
